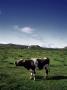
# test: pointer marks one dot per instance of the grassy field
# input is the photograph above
(17, 78)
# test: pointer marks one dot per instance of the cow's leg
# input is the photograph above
(46, 71)
(34, 74)
(31, 74)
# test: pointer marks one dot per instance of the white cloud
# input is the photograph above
(25, 29)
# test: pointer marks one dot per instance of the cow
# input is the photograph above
(33, 64)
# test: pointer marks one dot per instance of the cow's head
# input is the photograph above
(20, 62)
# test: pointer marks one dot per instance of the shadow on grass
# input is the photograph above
(39, 78)
(57, 77)
(51, 77)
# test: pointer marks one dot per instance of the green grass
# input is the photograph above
(17, 78)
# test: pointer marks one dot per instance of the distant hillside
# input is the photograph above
(65, 47)
(34, 46)
(18, 46)
(10, 45)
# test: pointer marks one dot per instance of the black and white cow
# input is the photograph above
(33, 64)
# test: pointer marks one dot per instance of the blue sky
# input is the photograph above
(34, 22)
